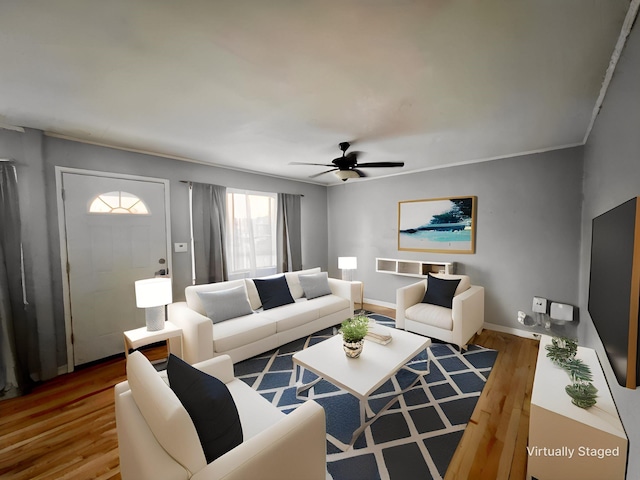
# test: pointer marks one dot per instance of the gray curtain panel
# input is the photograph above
(289, 233)
(19, 353)
(209, 206)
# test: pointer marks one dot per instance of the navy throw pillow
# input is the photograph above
(440, 291)
(210, 406)
(273, 292)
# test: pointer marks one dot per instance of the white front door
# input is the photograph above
(107, 250)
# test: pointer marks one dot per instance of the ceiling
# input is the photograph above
(255, 84)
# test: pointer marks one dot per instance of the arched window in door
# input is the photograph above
(118, 202)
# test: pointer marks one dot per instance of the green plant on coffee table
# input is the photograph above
(354, 329)
(562, 352)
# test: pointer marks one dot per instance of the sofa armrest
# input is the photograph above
(220, 367)
(295, 447)
(345, 289)
(468, 313)
(136, 441)
(197, 332)
(407, 297)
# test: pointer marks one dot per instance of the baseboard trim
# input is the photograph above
(489, 326)
(380, 303)
(513, 331)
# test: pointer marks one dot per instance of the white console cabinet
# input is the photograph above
(412, 268)
(566, 441)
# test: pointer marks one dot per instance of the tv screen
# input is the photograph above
(613, 292)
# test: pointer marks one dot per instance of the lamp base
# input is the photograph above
(154, 317)
(347, 274)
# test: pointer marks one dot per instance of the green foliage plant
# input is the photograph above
(562, 352)
(354, 329)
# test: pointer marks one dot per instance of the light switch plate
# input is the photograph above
(179, 247)
(539, 305)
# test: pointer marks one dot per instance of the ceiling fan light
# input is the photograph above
(344, 175)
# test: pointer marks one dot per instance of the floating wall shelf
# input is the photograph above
(412, 268)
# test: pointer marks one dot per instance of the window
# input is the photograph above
(118, 202)
(251, 233)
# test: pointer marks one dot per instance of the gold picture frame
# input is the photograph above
(440, 225)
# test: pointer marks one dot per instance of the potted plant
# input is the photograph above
(353, 331)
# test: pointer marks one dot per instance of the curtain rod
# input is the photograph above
(190, 182)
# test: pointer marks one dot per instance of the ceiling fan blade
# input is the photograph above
(381, 164)
(359, 172)
(305, 163)
(322, 173)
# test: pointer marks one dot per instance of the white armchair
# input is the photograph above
(157, 439)
(456, 325)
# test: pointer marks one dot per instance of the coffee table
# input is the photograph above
(363, 375)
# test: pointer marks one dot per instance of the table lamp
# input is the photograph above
(347, 265)
(154, 294)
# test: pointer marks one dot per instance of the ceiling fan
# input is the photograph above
(347, 165)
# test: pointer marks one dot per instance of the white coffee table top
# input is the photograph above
(363, 375)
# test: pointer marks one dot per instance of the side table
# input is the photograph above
(141, 336)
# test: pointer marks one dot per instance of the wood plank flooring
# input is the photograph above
(65, 428)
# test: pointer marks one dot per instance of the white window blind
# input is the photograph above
(251, 233)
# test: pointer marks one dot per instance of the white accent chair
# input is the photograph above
(157, 439)
(456, 325)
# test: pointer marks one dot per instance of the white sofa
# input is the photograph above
(454, 325)
(158, 441)
(249, 335)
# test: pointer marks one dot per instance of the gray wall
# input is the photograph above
(36, 156)
(612, 176)
(528, 228)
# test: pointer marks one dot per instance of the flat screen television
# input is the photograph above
(614, 287)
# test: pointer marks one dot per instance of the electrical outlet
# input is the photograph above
(539, 305)
(179, 247)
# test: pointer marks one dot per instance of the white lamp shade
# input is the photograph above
(346, 174)
(347, 263)
(153, 292)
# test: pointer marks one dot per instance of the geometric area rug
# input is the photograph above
(415, 438)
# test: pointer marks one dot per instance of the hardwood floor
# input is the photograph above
(65, 428)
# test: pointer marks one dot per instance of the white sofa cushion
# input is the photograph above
(292, 315)
(167, 418)
(430, 315)
(256, 413)
(193, 299)
(328, 304)
(240, 331)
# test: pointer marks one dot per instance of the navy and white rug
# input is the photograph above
(414, 439)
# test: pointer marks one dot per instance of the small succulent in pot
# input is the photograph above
(353, 331)
(355, 328)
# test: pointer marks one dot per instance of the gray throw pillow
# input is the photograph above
(315, 285)
(225, 304)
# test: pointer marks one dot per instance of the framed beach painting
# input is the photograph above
(446, 225)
